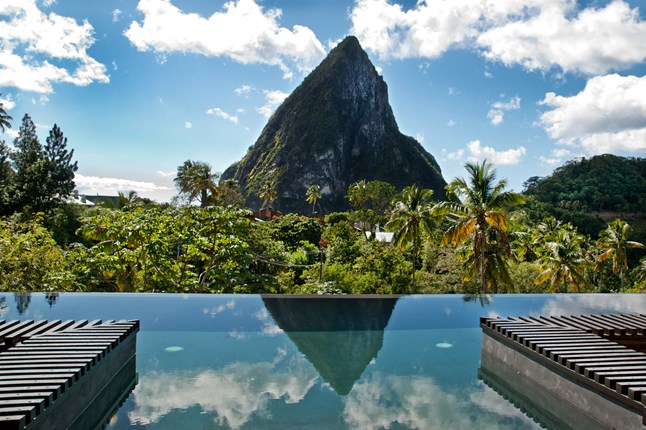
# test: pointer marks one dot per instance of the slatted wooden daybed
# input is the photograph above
(64, 374)
(587, 370)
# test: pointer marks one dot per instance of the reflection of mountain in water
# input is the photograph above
(339, 336)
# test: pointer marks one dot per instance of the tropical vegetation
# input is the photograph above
(481, 239)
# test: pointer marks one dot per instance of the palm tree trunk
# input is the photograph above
(412, 288)
(203, 203)
(483, 277)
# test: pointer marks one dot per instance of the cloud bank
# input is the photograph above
(535, 34)
(243, 32)
(30, 39)
(608, 115)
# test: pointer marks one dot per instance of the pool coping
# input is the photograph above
(64, 374)
(589, 350)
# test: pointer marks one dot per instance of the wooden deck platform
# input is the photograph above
(603, 354)
(64, 374)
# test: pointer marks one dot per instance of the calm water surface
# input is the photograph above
(251, 362)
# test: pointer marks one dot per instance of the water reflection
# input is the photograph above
(386, 401)
(570, 304)
(22, 300)
(339, 336)
(234, 393)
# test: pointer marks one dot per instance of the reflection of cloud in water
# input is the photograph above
(234, 393)
(394, 401)
(594, 303)
(269, 327)
(231, 304)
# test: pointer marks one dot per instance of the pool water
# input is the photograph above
(252, 362)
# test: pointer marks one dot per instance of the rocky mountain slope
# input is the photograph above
(336, 128)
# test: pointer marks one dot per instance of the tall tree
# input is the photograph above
(412, 216)
(195, 180)
(614, 241)
(479, 203)
(4, 118)
(61, 169)
(312, 195)
(6, 179)
(268, 193)
(30, 165)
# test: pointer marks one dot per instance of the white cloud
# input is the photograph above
(7, 102)
(29, 40)
(608, 115)
(188, 125)
(11, 132)
(166, 174)
(222, 114)
(116, 14)
(243, 32)
(557, 157)
(243, 89)
(451, 123)
(42, 100)
(454, 92)
(477, 152)
(274, 98)
(452, 156)
(419, 137)
(497, 112)
(114, 65)
(110, 186)
(550, 161)
(561, 152)
(537, 34)
(48, 3)
(591, 41)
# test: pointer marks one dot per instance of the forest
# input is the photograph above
(482, 238)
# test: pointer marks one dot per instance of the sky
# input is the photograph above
(140, 86)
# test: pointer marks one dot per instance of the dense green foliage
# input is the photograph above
(35, 178)
(589, 192)
(438, 247)
(601, 183)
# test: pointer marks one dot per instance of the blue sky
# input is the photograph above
(140, 86)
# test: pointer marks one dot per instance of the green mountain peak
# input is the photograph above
(336, 128)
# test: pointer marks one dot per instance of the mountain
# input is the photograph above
(336, 128)
(339, 336)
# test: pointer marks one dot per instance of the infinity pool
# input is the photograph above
(252, 362)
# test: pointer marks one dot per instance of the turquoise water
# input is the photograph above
(248, 362)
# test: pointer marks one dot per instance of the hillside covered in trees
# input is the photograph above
(587, 192)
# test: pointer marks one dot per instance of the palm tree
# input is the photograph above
(313, 194)
(268, 193)
(614, 241)
(124, 199)
(4, 118)
(195, 180)
(561, 259)
(412, 215)
(479, 204)
(358, 197)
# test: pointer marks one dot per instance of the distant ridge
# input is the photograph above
(336, 128)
